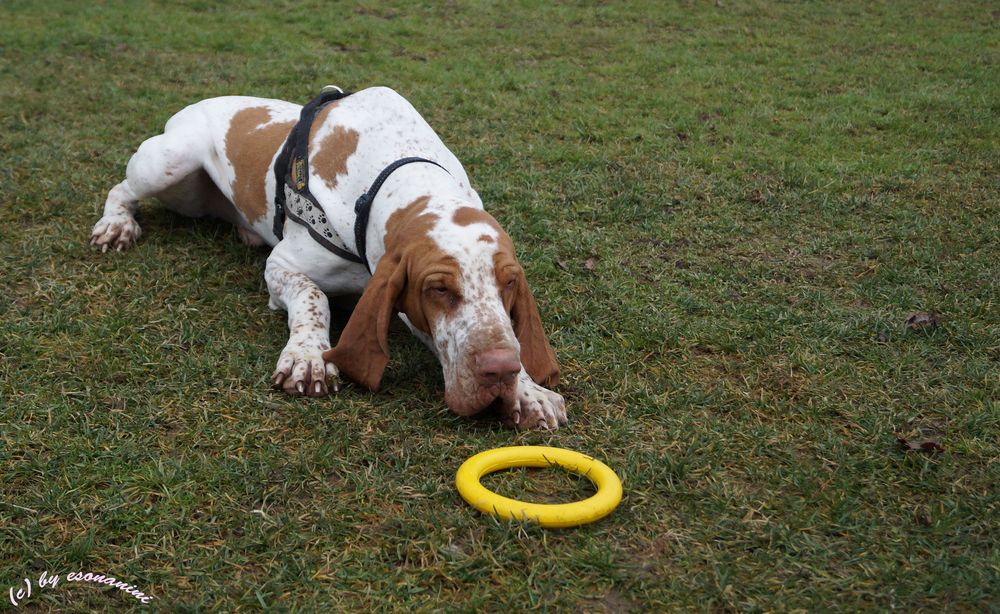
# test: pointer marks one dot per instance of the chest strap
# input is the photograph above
(363, 206)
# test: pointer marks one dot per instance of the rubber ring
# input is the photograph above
(606, 499)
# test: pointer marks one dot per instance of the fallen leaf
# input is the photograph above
(590, 263)
(925, 445)
(922, 320)
(922, 517)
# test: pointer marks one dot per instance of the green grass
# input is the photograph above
(767, 191)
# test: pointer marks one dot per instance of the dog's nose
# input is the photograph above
(497, 367)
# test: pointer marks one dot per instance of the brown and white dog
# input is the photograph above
(439, 259)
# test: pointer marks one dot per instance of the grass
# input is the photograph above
(727, 211)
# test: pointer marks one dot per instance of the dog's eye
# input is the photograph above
(509, 286)
(443, 294)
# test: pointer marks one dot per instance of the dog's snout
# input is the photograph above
(497, 367)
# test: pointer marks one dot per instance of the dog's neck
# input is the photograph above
(425, 184)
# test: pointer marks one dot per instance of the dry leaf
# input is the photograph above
(922, 320)
(925, 445)
(590, 263)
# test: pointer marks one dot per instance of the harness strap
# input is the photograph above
(292, 197)
(294, 201)
(363, 206)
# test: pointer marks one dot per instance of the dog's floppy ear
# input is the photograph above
(363, 349)
(536, 354)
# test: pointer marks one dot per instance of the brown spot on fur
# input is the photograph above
(466, 216)
(321, 119)
(329, 158)
(486, 238)
(410, 249)
(407, 237)
(251, 142)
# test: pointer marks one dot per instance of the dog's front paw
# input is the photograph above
(534, 407)
(301, 370)
(118, 232)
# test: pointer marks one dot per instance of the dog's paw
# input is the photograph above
(118, 232)
(301, 370)
(535, 407)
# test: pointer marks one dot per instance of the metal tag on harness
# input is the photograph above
(298, 173)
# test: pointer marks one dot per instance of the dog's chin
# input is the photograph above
(471, 400)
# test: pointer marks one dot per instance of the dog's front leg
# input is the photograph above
(301, 369)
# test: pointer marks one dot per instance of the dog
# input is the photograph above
(365, 200)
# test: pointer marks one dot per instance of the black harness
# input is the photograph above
(292, 198)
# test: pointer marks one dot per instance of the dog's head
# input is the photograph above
(453, 274)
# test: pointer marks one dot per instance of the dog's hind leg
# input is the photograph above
(167, 166)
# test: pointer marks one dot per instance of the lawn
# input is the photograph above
(728, 211)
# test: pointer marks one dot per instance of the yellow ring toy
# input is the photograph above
(607, 497)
